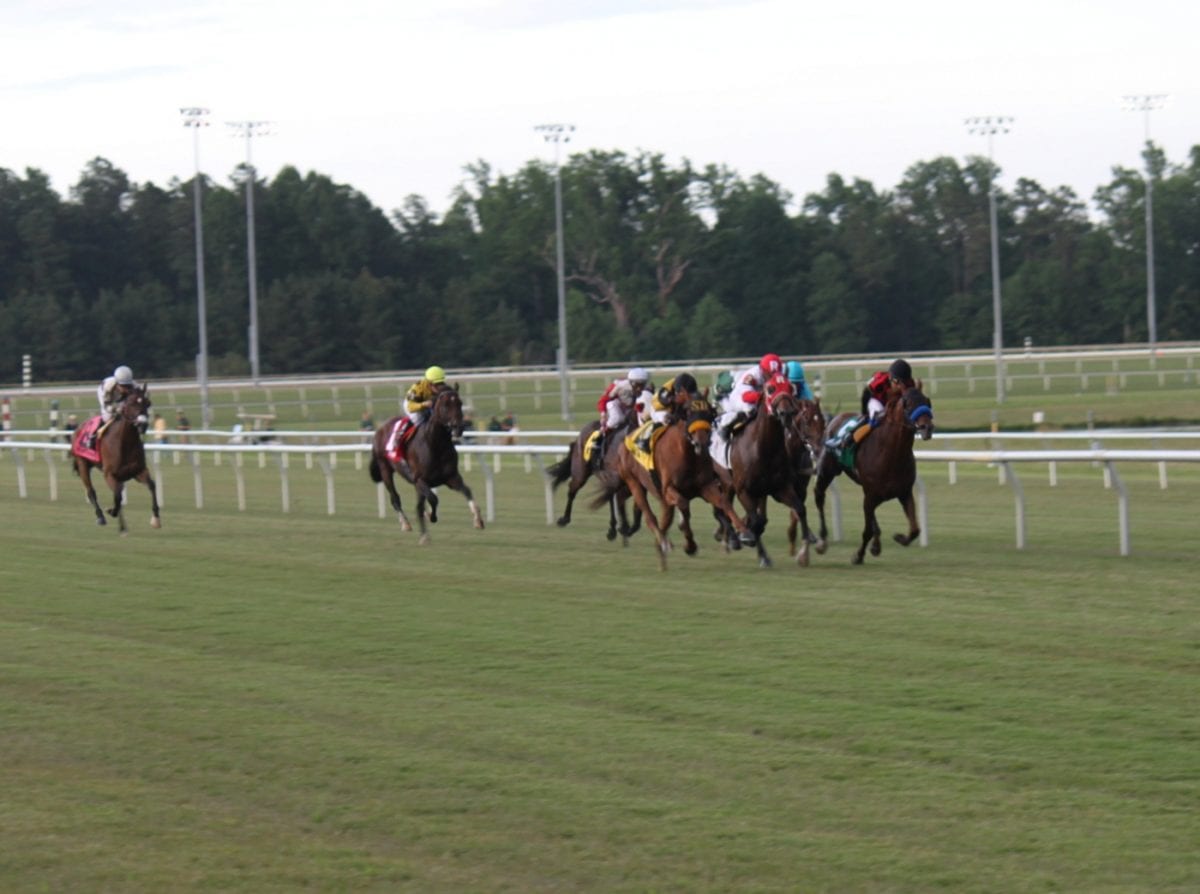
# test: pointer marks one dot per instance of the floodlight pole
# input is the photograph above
(1146, 103)
(194, 117)
(249, 130)
(559, 134)
(990, 126)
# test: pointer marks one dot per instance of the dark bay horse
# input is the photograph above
(761, 465)
(430, 460)
(576, 472)
(122, 458)
(683, 470)
(805, 439)
(884, 466)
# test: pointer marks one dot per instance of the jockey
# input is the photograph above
(673, 395)
(795, 374)
(874, 400)
(620, 399)
(419, 400)
(747, 391)
(722, 387)
(113, 390)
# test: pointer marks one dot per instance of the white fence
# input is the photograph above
(325, 457)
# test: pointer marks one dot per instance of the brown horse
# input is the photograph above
(683, 470)
(574, 470)
(761, 465)
(430, 460)
(122, 458)
(805, 439)
(884, 466)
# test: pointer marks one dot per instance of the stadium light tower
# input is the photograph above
(249, 130)
(559, 134)
(195, 118)
(1147, 103)
(989, 127)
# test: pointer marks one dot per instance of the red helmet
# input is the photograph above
(879, 384)
(770, 364)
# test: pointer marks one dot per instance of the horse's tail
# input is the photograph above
(376, 473)
(609, 486)
(561, 470)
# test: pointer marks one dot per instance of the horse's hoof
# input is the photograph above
(876, 549)
(820, 546)
(856, 559)
(810, 537)
(405, 525)
(563, 522)
(611, 535)
(423, 540)
(764, 562)
(802, 558)
(100, 520)
(903, 539)
(479, 524)
(747, 538)
(691, 549)
(155, 522)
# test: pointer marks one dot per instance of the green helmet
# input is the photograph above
(724, 383)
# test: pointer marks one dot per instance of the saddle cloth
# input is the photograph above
(398, 438)
(87, 436)
(640, 442)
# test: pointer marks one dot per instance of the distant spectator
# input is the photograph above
(494, 425)
(160, 428)
(367, 423)
(69, 428)
(182, 424)
(509, 424)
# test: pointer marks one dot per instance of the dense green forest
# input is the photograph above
(662, 262)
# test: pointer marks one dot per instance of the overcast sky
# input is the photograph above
(394, 97)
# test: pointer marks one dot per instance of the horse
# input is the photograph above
(430, 460)
(574, 469)
(122, 458)
(805, 438)
(884, 466)
(761, 465)
(683, 470)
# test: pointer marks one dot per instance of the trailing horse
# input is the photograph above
(681, 470)
(429, 460)
(883, 465)
(576, 472)
(120, 455)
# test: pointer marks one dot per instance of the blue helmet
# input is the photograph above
(795, 371)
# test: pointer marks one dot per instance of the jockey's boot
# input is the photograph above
(861, 432)
(598, 450)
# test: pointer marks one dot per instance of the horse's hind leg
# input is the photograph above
(389, 483)
(870, 535)
(824, 477)
(457, 483)
(914, 529)
(85, 472)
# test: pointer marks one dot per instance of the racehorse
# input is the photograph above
(683, 470)
(884, 466)
(574, 469)
(430, 460)
(805, 439)
(761, 466)
(122, 457)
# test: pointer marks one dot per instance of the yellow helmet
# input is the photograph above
(435, 374)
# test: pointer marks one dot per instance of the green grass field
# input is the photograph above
(253, 701)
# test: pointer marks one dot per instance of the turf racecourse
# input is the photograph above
(266, 702)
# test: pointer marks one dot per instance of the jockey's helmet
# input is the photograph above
(435, 374)
(624, 393)
(770, 364)
(900, 371)
(724, 383)
(123, 375)
(879, 384)
(795, 371)
(637, 374)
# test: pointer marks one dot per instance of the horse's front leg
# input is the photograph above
(457, 483)
(870, 535)
(389, 483)
(825, 474)
(118, 492)
(685, 526)
(715, 495)
(910, 510)
(799, 514)
(144, 478)
(757, 522)
(638, 492)
(85, 474)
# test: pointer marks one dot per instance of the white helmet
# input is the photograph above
(637, 374)
(625, 393)
(123, 375)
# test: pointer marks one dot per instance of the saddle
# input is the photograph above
(87, 437)
(640, 442)
(591, 447)
(402, 433)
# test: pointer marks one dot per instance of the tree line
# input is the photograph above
(662, 262)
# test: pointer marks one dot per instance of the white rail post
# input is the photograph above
(327, 468)
(489, 492)
(922, 511)
(50, 464)
(1019, 496)
(836, 510)
(379, 498)
(21, 489)
(156, 460)
(240, 478)
(197, 479)
(1122, 506)
(284, 494)
(549, 486)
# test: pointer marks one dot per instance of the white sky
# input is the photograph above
(394, 97)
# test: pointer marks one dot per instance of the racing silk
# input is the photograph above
(617, 404)
(110, 395)
(874, 397)
(747, 390)
(419, 399)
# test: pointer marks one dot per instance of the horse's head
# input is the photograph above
(809, 425)
(135, 408)
(448, 411)
(780, 398)
(917, 410)
(698, 420)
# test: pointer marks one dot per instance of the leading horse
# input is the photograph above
(761, 465)
(430, 460)
(884, 466)
(122, 458)
(682, 471)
